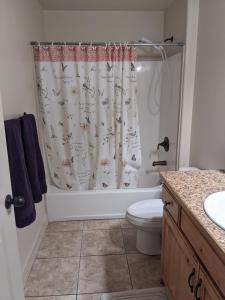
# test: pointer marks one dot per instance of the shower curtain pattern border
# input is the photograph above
(81, 53)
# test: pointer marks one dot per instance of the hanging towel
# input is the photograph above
(18, 172)
(33, 157)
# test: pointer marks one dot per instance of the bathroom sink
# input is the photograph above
(214, 207)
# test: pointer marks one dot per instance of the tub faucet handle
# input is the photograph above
(165, 144)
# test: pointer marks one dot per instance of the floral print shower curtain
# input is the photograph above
(88, 105)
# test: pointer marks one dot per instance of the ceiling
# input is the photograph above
(128, 5)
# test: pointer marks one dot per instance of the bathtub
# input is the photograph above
(101, 204)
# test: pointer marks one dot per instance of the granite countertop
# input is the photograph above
(191, 188)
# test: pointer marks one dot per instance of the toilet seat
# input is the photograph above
(147, 209)
(146, 213)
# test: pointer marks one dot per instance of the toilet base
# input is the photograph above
(148, 242)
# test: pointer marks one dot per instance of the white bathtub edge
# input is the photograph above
(95, 205)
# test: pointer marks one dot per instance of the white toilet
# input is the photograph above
(146, 216)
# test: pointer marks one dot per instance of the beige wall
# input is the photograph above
(102, 25)
(175, 20)
(208, 128)
(20, 22)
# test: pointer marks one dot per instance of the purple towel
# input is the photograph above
(18, 172)
(33, 157)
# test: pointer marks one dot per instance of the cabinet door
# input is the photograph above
(205, 289)
(179, 265)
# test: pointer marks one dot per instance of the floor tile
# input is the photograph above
(102, 224)
(144, 270)
(100, 242)
(60, 244)
(55, 276)
(103, 274)
(89, 297)
(70, 297)
(129, 238)
(125, 224)
(65, 226)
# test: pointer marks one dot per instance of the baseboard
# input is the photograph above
(33, 252)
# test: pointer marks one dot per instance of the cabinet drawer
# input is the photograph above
(171, 205)
(212, 262)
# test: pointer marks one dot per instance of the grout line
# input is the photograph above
(46, 296)
(81, 256)
(127, 261)
(102, 229)
(78, 274)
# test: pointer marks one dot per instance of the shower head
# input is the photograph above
(158, 48)
(145, 40)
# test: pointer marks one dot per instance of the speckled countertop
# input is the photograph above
(191, 188)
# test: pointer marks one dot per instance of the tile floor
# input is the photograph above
(79, 260)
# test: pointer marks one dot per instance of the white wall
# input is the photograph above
(102, 25)
(20, 22)
(208, 128)
(175, 20)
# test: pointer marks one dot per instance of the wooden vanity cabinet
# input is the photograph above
(179, 264)
(205, 290)
(184, 274)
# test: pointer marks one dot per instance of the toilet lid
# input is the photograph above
(147, 209)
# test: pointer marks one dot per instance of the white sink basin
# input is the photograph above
(214, 207)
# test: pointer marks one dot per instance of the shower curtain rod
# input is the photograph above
(35, 43)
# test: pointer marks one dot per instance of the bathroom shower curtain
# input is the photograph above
(88, 105)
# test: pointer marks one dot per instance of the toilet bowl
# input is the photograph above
(146, 216)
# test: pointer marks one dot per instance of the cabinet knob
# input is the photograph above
(192, 274)
(198, 286)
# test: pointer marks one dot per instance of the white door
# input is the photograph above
(11, 285)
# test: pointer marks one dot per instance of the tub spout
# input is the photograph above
(159, 163)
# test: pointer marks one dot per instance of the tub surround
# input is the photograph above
(190, 238)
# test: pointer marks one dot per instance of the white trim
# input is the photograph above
(189, 81)
(33, 251)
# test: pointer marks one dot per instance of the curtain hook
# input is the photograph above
(52, 43)
(82, 47)
(80, 43)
